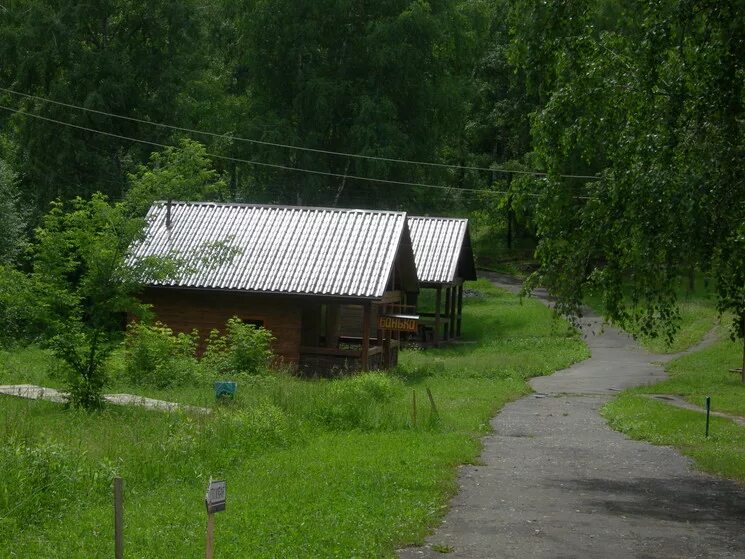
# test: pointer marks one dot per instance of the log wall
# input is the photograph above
(186, 310)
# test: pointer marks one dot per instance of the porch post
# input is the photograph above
(453, 306)
(460, 308)
(446, 331)
(386, 337)
(364, 365)
(436, 334)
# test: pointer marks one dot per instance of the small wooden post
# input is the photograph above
(118, 518)
(210, 535)
(453, 306)
(460, 310)
(413, 408)
(436, 334)
(364, 356)
(432, 402)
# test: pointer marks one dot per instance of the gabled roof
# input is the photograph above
(280, 249)
(442, 249)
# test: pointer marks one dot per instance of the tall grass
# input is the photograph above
(315, 468)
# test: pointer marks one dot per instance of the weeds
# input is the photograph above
(324, 468)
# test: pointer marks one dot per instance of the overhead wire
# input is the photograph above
(272, 165)
(296, 147)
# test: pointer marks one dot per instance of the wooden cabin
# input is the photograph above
(289, 269)
(444, 260)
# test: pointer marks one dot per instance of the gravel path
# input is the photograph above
(557, 482)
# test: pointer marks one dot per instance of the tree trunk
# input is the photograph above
(691, 279)
(742, 331)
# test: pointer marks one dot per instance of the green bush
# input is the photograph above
(356, 402)
(155, 356)
(263, 425)
(244, 349)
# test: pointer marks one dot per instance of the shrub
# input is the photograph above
(262, 425)
(244, 349)
(155, 356)
(355, 402)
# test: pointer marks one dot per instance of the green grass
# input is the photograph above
(29, 365)
(517, 340)
(723, 453)
(314, 468)
(706, 373)
(693, 377)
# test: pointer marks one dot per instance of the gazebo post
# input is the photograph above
(460, 309)
(364, 355)
(436, 334)
(453, 302)
(446, 331)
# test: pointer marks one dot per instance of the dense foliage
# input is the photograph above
(633, 112)
(651, 97)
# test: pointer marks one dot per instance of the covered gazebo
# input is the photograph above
(444, 260)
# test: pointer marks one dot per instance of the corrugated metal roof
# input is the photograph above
(277, 249)
(438, 244)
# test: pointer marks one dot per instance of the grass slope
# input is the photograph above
(314, 468)
(640, 418)
(693, 377)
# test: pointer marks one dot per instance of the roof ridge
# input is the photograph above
(277, 206)
(433, 217)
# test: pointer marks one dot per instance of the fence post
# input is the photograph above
(413, 408)
(118, 518)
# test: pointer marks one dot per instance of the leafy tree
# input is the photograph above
(115, 56)
(79, 259)
(182, 173)
(653, 100)
(12, 222)
(382, 79)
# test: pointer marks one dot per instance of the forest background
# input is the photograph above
(608, 134)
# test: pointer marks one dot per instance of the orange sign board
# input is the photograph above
(400, 323)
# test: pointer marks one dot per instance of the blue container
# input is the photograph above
(225, 389)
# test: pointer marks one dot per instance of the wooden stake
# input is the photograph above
(210, 535)
(432, 402)
(118, 518)
(413, 408)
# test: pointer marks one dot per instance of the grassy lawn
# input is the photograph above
(314, 468)
(706, 373)
(723, 453)
(693, 377)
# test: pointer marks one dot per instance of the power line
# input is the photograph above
(299, 148)
(271, 165)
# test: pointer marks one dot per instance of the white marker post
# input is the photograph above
(215, 501)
